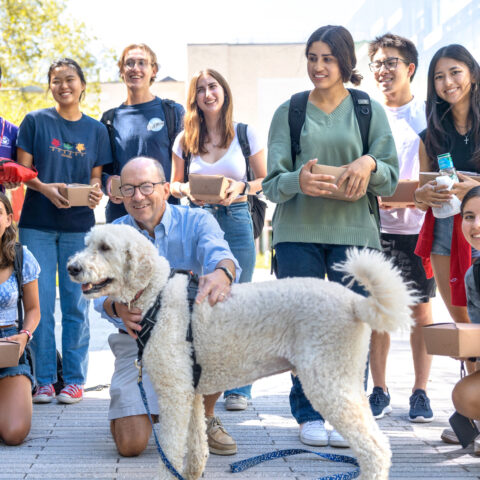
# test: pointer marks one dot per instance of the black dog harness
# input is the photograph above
(150, 318)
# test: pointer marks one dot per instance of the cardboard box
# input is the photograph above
(425, 177)
(336, 172)
(115, 187)
(403, 195)
(453, 339)
(9, 352)
(77, 194)
(208, 188)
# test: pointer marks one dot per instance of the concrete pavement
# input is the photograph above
(73, 441)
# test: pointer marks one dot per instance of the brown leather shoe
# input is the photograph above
(448, 436)
(219, 441)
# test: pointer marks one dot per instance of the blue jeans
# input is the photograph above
(52, 249)
(298, 259)
(236, 223)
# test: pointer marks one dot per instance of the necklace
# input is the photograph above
(464, 135)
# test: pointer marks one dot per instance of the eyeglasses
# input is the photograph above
(141, 63)
(390, 64)
(145, 188)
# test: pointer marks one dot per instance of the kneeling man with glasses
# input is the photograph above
(190, 239)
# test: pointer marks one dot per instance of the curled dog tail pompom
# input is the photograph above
(387, 308)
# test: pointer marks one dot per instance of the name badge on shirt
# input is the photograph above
(155, 124)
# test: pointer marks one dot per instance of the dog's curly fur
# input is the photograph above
(319, 329)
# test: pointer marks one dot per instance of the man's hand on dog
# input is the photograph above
(215, 286)
(130, 318)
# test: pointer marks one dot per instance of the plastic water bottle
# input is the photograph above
(448, 176)
(445, 165)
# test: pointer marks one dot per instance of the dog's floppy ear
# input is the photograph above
(138, 265)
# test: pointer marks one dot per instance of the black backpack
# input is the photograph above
(170, 119)
(257, 207)
(363, 113)
(18, 270)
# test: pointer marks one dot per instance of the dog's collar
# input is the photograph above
(135, 298)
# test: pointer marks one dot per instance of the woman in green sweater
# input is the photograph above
(312, 232)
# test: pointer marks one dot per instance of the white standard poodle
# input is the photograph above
(318, 329)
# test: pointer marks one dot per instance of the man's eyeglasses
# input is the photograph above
(141, 63)
(145, 188)
(390, 64)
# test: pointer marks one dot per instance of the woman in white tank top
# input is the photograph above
(210, 142)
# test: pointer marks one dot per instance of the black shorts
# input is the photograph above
(401, 248)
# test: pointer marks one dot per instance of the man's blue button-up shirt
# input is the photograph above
(189, 238)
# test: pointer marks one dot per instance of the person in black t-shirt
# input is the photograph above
(453, 125)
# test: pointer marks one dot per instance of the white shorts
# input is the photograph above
(125, 398)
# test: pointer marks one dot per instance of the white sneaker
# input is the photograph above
(336, 440)
(314, 433)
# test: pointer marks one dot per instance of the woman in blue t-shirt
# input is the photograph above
(16, 381)
(66, 147)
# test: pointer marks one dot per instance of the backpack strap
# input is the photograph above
(187, 157)
(296, 118)
(170, 119)
(245, 146)
(18, 270)
(363, 111)
(107, 120)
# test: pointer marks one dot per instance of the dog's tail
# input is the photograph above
(388, 306)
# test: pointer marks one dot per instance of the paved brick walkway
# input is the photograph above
(73, 442)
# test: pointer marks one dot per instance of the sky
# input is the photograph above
(167, 26)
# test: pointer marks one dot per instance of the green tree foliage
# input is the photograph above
(35, 33)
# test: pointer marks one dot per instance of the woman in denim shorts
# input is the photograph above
(16, 382)
(453, 126)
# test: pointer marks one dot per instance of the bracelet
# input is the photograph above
(114, 310)
(227, 272)
(29, 334)
(415, 199)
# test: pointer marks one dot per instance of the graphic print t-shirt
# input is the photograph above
(63, 152)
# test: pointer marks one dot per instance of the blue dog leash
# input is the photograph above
(252, 461)
(164, 458)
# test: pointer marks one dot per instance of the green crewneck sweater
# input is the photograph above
(333, 139)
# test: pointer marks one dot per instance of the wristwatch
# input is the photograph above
(227, 272)
(246, 190)
(114, 310)
(29, 334)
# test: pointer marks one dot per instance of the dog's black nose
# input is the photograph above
(74, 269)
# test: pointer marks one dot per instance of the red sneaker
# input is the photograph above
(71, 393)
(44, 394)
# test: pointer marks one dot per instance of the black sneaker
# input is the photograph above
(379, 402)
(420, 411)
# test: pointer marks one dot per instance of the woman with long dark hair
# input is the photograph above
(16, 382)
(66, 147)
(312, 232)
(453, 126)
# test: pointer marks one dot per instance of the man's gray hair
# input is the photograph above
(153, 161)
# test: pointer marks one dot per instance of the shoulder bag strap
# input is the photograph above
(18, 269)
